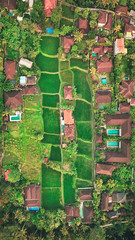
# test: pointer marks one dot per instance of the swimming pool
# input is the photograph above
(81, 211)
(33, 208)
(101, 107)
(113, 132)
(94, 54)
(49, 30)
(16, 117)
(112, 144)
(104, 80)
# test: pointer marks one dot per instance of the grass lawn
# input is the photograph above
(82, 184)
(51, 139)
(82, 111)
(74, 62)
(84, 148)
(49, 83)
(49, 45)
(64, 65)
(66, 22)
(67, 77)
(50, 177)
(32, 101)
(84, 131)
(66, 12)
(50, 100)
(55, 154)
(81, 84)
(84, 168)
(51, 119)
(69, 191)
(47, 64)
(51, 198)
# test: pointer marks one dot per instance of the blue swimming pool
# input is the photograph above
(94, 54)
(112, 131)
(101, 107)
(81, 211)
(49, 30)
(104, 81)
(112, 144)
(33, 208)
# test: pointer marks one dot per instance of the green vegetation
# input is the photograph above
(51, 198)
(50, 100)
(49, 83)
(66, 12)
(64, 65)
(81, 84)
(65, 22)
(82, 111)
(67, 77)
(84, 168)
(49, 45)
(50, 177)
(47, 64)
(51, 120)
(84, 148)
(69, 191)
(79, 63)
(55, 154)
(51, 139)
(84, 131)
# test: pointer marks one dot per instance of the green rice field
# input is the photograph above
(84, 148)
(66, 12)
(50, 100)
(82, 111)
(84, 168)
(55, 154)
(50, 177)
(47, 64)
(79, 63)
(51, 120)
(51, 139)
(49, 83)
(49, 45)
(84, 131)
(51, 198)
(69, 191)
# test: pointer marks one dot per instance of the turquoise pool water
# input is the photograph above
(101, 107)
(81, 211)
(33, 208)
(112, 131)
(15, 118)
(49, 30)
(104, 81)
(94, 54)
(112, 144)
(126, 78)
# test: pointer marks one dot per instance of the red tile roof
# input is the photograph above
(68, 93)
(124, 107)
(6, 175)
(105, 205)
(88, 214)
(104, 65)
(49, 5)
(108, 25)
(124, 156)
(132, 102)
(68, 119)
(70, 131)
(71, 212)
(30, 90)
(9, 4)
(85, 195)
(13, 99)
(124, 120)
(101, 39)
(98, 49)
(129, 28)
(121, 9)
(125, 19)
(127, 89)
(32, 196)
(105, 169)
(67, 43)
(120, 45)
(102, 17)
(10, 69)
(98, 138)
(83, 25)
(31, 80)
(103, 96)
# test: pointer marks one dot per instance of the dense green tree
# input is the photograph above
(14, 175)
(22, 6)
(56, 16)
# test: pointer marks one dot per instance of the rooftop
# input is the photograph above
(49, 5)
(106, 169)
(67, 43)
(10, 69)
(104, 65)
(85, 195)
(13, 99)
(70, 131)
(124, 107)
(68, 119)
(68, 93)
(127, 89)
(121, 9)
(32, 196)
(103, 96)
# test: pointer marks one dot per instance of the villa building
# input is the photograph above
(119, 46)
(127, 89)
(104, 65)
(68, 93)
(106, 169)
(83, 25)
(49, 5)
(129, 31)
(67, 43)
(32, 196)
(13, 99)
(10, 69)
(71, 212)
(103, 96)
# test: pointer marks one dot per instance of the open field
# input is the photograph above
(84, 168)
(66, 22)
(64, 65)
(47, 64)
(67, 77)
(81, 84)
(82, 183)
(49, 45)
(51, 198)
(50, 177)
(51, 120)
(84, 148)
(49, 83)
(50, 100)
(32, 102)
(84, 131)
(69, 191)
(51, 139)
(79, 63)
(55, 154)
(82, 111)
(66, 12)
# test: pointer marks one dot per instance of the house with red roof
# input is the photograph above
(105, 20)
(70, 131)
(104, 65)
(124, 156)
(122, 120)
(49, 5)
(121, 10)
(119, 46)
(10, 69)
(103, 96)
(68, 93)
(101, 50)
(85, 195)
(107, 200)
(132, 101)
(108, 24)
(13, 99)
(68, 118)
(129, 31)
(88, 214)
(106, 169)
(127, 89)
(67, 43)
(32, 197)
(71, 213)
(30, 90)
(10, 5)
(124, 107)
(83, 25)
(98, 138)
